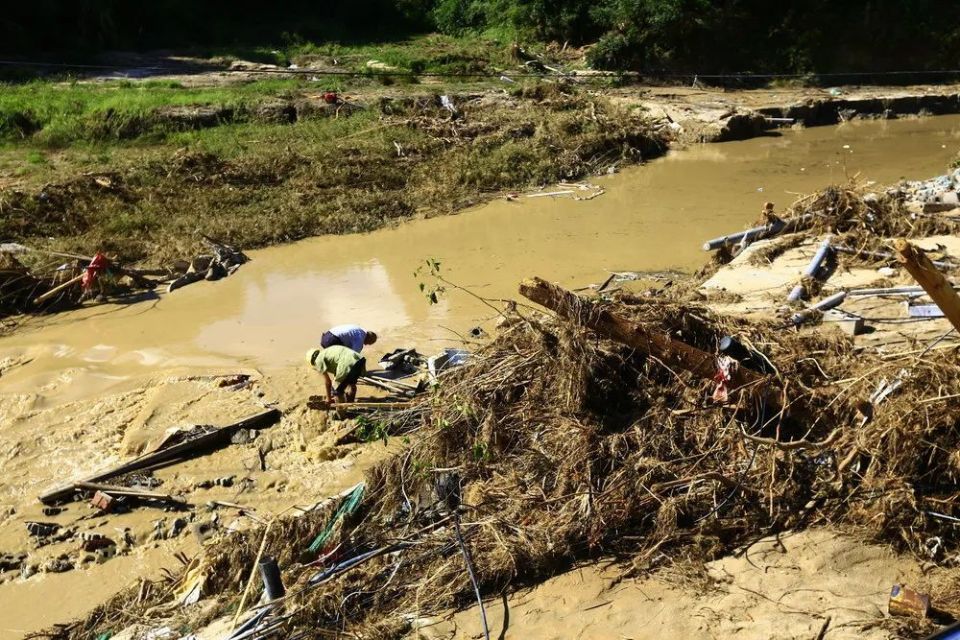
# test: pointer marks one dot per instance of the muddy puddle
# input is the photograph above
(75, 387)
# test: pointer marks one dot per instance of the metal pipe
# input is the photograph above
(766, 231)
(272, 582)
(827, 303)
(883, 255)
(800, 291)
(888, 291)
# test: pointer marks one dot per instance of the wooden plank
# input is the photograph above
(933, 282)
(657, 344)
(388, 385)
(350, 406)
(168, 455)
(128, 492)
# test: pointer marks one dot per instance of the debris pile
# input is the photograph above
(49, 284)
(558, 443)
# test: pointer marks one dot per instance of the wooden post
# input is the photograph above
(933, 282)
(657, 344)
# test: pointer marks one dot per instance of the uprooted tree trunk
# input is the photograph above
(672, 353)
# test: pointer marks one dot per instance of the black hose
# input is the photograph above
(473, 578)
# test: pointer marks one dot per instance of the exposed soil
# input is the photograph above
(302, 465)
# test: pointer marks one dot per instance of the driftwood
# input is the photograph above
(166, 456)
(672, 353)
(933, 282)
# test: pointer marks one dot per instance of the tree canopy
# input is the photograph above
(688, 36)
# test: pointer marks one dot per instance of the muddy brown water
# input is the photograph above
(651, 218)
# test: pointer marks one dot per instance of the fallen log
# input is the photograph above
(672, 353)
(167, 456)
(933, 282)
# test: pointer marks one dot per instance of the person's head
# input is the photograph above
(370, 338)
(312, 355)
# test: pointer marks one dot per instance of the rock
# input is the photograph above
(60, 564)
(177, 527)
(42, 529)
(12, 561)
(243, 436)
(202, 531)
(95, 541)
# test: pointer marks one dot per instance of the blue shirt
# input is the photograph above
(351, 335)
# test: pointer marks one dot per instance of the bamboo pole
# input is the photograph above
(657, 344)
(49, 294)
(933, 282)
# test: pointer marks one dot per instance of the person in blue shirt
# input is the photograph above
(348, 335)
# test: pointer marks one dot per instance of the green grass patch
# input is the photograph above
(55, 115)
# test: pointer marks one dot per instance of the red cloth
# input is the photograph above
(725, 366)
(98, 265)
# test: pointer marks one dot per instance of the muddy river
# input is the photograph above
(651, 218)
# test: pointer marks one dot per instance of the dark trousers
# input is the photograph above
(357, 370)
(329, 340)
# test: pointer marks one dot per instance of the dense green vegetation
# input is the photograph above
(654, 36)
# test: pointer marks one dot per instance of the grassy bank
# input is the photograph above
(54, 115)
(255, 183)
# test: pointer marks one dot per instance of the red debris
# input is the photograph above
(102, 501)
(98, 265)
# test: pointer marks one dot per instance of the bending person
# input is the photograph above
(348, 335)
(344, 364)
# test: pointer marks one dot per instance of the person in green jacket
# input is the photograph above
(344, 364)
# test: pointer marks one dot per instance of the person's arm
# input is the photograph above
(329, 386)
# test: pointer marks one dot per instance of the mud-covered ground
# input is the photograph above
(401, 154)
